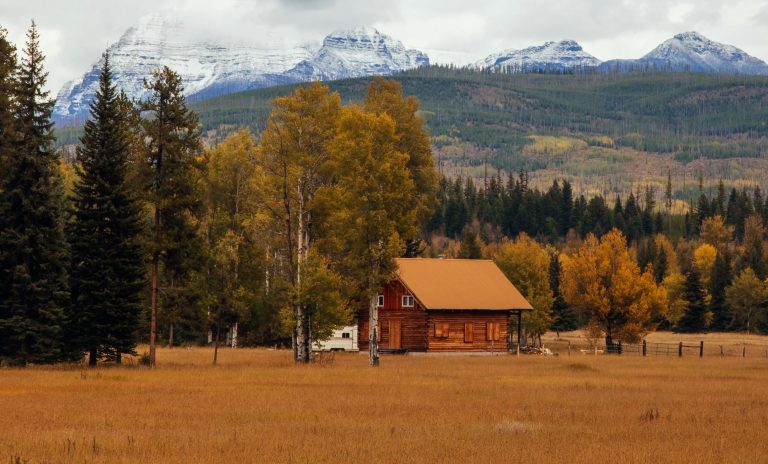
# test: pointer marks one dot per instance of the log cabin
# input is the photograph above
(444, 305)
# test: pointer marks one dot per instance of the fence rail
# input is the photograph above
(646, 348)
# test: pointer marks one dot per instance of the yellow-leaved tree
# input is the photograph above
(676, 302)
(232, 227)
(704, 259)
(715, 232)
(526, 265)
(367, 213)
(293, 152)
(604, 283)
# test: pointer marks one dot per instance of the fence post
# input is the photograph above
(744, 352)
(645, 349)
(701, 349)
(569, 347)
(680, 350)
(722, 353)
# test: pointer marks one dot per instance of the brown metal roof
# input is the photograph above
(459, 284)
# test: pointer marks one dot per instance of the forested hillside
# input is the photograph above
(691, 115)
(606, 133)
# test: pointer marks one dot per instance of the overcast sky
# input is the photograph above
(75, 32)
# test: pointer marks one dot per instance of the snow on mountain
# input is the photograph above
(553, 56)
(210, 68)
(459, 59)
(214, 67)
(691, 51)
(357, 52)
(495, 58)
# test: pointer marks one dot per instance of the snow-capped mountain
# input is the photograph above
(552, 56)
(691, 51)
(357, 52)
(210, 68)
(494, 58)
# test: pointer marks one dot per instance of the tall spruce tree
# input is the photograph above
(7, 136)
(172, 132)
(694, 318)
(107, 270)
(564, 318)
(470, 246)
(722, 276)
(33, 251)
(7, 83)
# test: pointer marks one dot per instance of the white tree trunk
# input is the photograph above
(373, 323)
(302, 337)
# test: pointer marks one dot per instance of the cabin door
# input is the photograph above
(394, 334)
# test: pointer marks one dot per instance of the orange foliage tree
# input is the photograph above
(604, 283)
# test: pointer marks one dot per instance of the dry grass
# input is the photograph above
(258, 407)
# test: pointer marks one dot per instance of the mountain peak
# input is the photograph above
(211, 66)
(356, 52)
(551, 55)
(357, 31)
(691, 35)
(694, 52)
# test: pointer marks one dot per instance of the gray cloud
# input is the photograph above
(75, 33)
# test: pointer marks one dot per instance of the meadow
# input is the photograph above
(257, 406)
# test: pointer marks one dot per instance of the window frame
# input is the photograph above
(380, 301)
(442, 329)
(412, 300)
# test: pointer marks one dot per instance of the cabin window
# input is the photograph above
(407, 301)
(345, 335)
(442, 329)
(493, 331)
(469, 332)
(380, 301)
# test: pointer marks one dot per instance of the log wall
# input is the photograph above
(457, 324)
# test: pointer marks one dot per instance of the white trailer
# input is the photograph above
(343, 339)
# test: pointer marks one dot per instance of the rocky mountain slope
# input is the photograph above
(357, 52)
(551, 56)
(691, 51)
(211, 68)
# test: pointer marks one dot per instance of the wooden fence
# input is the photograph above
(646, 348)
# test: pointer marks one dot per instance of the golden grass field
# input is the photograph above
(257, 406)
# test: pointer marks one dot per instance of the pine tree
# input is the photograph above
(722, 276)
(564, 318)
(173, 135)
(107, 271)
(470, 247)
(7, 83)
(718, 205)
(694, 319)
(566, 209)
(618, 216)
(33, 251)
(7, 133)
